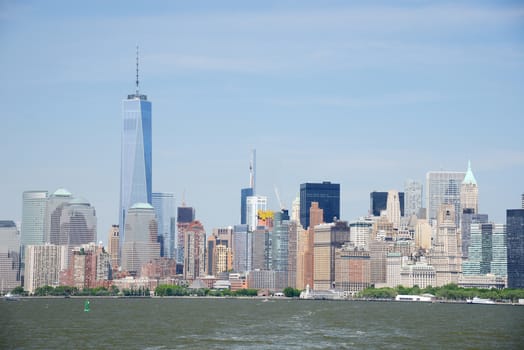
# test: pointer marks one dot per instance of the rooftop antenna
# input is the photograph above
(184, 198)
(137, 71)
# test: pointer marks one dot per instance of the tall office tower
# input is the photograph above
(327, 238)
(136, 158)
(113, 248)
(446, 253)
(379, 202)
(423, 233)
(469, 192)
(242, 248)
(248, 191)
(292, 253)
(487, 242)
(55, 205)
(141, 245)
(260, 254)
(412, 197)
(393, 208)
(185, 215)
(328, 197)
(254, 204)
(164, 204)
(469, 218)
(219, 251)
(360, 232)
(280, 245)
(515, 244)
(194, 251)
(43, 264)
(9, 256)
(443, 187)
(33, 218)
(77, 223)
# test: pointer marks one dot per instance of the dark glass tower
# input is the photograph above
(515, 244)
(378, 202)
(244, 193)
(326, 194)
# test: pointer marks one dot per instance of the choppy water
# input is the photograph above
(253, 324)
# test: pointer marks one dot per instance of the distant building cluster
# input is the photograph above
(429, 236)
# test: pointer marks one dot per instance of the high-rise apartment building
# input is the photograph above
(294, 232)
(194, 251)
(326, 194)
(185, 215)
(469, 192)
(280, 242)
(412, 197)
(515, 244)
(443, 187)
(379, 201)
(43, 264)
(9, 256)
(140, 245)
(33, 218)
(164, 204)
(113, 248)
(219, 251)
(242, 248)
(136, 157)
(254, 204)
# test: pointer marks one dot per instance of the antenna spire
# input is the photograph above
(137, 89)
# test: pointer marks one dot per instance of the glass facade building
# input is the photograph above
(327, 195)
(136, 157)
(443, 187)
(412, 197)
(33, 217)
(515, 244)
(9, 256)
(244, 193)
(164, 204)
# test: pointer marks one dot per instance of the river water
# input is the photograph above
(206, 323)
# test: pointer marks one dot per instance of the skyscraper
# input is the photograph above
(164, 204)
(379, 200)
(412, 197)
(77, 223)
(185, 215)
(242, 244)
(55, 205)
(469, 192)
(443, 187)
(254, 204)
(393, 208)
(136, 158)
(9, 256)
(33, 217)
(141, 244)
(515, 244)
(248, 191)
(194, 251)
(326, 194)
(114, 245)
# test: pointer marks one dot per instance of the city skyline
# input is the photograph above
(306, 85)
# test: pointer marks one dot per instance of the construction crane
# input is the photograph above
(278, 198)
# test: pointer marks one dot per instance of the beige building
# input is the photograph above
(114, 245)
(305, 247)
(393, 208)
(194, 251)
(327, 238)
(352, 269)
(43, 264)
(423, 232)
(469, 192)
(419, 274)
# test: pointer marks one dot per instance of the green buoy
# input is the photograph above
(86, 306)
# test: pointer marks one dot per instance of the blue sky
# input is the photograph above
(366, 94)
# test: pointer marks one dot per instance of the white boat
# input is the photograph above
(477, 300)
(11, 297)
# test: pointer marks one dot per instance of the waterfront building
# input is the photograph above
(469, 192)
(114, 245)
(379, 201)
(305, 247)
(242, 248)
(418, 274)
(412, 197)
(360, 232)
(33, 218)
(443, 187)
(352, 269)
(164, 204)
(488, 281)
(89, 267)
(136, 156)
(43, 264)
(327, 238)
(480, 256)
(140, 245)
(515, 244)
(263, 279)
(10, 275)
(378, 250)
(393, 269)
(446, 254)
(194, 251)
(55, 204)
(393, 208)
(254, 204)
(185, 215)
(326, 194)
(292, 249)
(160, 268)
